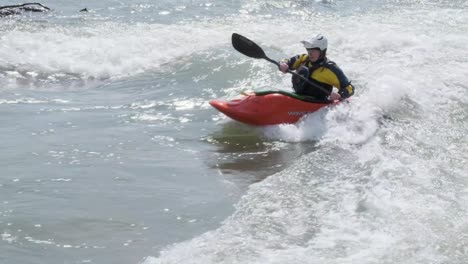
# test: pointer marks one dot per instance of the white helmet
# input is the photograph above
(319, 42)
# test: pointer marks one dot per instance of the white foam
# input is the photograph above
(101, 51)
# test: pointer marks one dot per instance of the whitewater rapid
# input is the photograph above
(388, 182)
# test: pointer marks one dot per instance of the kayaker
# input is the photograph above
(317, 68)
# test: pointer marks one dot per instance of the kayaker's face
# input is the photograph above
(314, 54)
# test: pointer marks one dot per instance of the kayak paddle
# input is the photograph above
(250, 49)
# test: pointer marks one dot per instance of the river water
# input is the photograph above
(110, 152)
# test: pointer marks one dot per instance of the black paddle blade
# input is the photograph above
(247, 47)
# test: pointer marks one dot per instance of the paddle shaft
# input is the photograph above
(299, 76)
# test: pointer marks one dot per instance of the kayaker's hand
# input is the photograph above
(335, 96)
(283, 67)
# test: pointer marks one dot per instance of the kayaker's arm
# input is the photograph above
(346, 91)
(296, 61)
(335, 76)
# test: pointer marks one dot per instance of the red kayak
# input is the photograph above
(269, 107)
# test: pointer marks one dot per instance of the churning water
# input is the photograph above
(110, 152)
